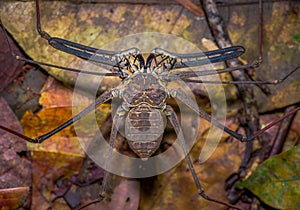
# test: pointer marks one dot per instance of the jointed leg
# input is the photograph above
(116, 122)
(186, 75)
(178, 94)
(119, 116)
(106, 96)
(175, 123)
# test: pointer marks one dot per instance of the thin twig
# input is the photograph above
(220, 33)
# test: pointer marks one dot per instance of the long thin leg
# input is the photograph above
(195, 73)
(270, 82)
(53, 65)
(184, 75)
(119, 116)
(106, 96)
(178, 94)
(175, 123)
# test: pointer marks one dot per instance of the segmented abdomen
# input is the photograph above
(143, 129)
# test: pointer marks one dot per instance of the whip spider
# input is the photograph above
(140, 110)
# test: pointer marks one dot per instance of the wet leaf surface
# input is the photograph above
(276, 181)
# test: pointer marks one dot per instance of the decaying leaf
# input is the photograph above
(13, 198)
(98, 25)
(107, 23)
(10, 68)
(59, 156)
(15, 169)
(176, 189)
(277, 180)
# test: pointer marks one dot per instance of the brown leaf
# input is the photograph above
(10, 68)
(54, 94)
(126, 196)
(188, 4)
(15, 169)
(14, 198)
(176, 189)
(61, 155)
